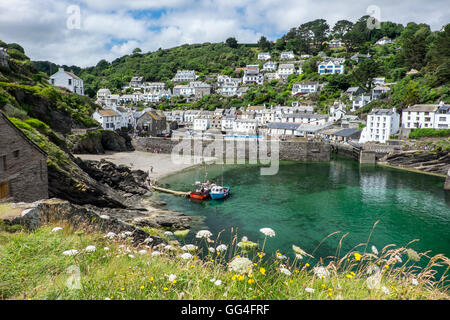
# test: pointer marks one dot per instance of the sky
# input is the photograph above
(82, 32)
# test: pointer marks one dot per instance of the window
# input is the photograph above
(3, 165)
(16, 154)
(70, 82)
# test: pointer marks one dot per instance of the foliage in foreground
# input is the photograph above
(33, 266)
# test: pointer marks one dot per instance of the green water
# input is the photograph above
(305, 202)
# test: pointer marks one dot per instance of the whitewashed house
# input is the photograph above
(252, 75)
(154, 86)
(108, 119)
(270, 66)
(185, 75)
(378, 91)
(305, 87)
(137, 82)
(381, 124)
(102, 94)
(337, 111)
(202, 123)
(360, 101)
(282, 129)
(442, 117)
(335, 43)
(285, 70)
(183, 90)
(287, 55)
(263, 56)
(331, 66)
(245, 126)
(229, 89)
(112, 100)
(419, 116)
(67, 80)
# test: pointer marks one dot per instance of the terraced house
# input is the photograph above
(23, 166)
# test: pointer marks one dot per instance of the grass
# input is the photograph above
(33, 267)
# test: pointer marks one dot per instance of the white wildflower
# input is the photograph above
(172, 277)
(90, 248)
(56, 229)
(131, 256)
(221, 247)
(128, 233)
(105, 217)
(375, 250)
(244, 238)
(321, 272)
(142, 252)
(186, 256)
(372, 269)
(107, 298)
(285, 271)
(211, 249)
(189, 247)
(110, 235)
(156, 254)
(267, 232)
(218, 282)
(281, 257)
(203, 234)
(299, 256)
(414, 281)
(148, 240)
(397, 257)
(106, 248)
(309, 290)
(212, 279)
(71, 252)
(240, 265)
(385, 290)
(168, 247)
(168, 233)
(373, 282)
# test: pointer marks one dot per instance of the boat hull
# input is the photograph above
(220, 195)
(199, 196)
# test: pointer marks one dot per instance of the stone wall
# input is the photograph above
(288, 150)
(22, 165)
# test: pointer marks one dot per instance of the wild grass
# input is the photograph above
(32, 266)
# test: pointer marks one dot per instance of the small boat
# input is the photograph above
(219, 192)
(200, 193)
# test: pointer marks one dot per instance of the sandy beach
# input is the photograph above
(163, 164)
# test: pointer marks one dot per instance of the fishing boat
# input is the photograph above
(219, 192)
(200, 193)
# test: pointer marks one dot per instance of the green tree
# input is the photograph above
(341, 28)
(232, 42)
(365, 72)
(263, 43)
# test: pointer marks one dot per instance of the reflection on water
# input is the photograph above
(305, 202)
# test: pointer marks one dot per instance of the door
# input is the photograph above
(4, 190)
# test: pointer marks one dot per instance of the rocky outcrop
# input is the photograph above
(432, 162)
(447, 181)
(99, 141)
(43, 212)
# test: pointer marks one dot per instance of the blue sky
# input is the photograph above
(112, 28)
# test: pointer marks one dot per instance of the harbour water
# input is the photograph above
(305, 202)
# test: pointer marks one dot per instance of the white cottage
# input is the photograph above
(67, 80)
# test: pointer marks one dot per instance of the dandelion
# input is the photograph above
(250, 281)
(285, 271)
(56, 229)
(262, 271)
(268, 232)
(241, 278)
(122, 289)
(321, 272)
(142, 287)
(172, 277)
(203, 234)
(71, 252)
(156, 254)
(221, 248)
(309, 290)
(240, 265)
(375, 250)
(165, 289)
(186, 256)
(357, 256)
(90, 248)
(349, 276)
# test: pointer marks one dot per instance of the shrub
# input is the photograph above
(428, 132)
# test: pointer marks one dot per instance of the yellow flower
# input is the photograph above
(349, 276)
(241, 278)
(297, 271)
(262, 271)
(122, 289)
(174, 281)
(352, 273)
(154, 287)
(165, 289)
(330, 294)
(151, 278)
(141, 287)
(386, 266)
(238, 256)
(218, 252)
(260, 255)
(357, 256)
(211, 260)
(255, 264)
(323, 285)
(250, 281)
(192, 266)
(307, 264)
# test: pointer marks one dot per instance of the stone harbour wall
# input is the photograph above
(238, 149)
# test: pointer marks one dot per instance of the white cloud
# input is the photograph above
(112, 28)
